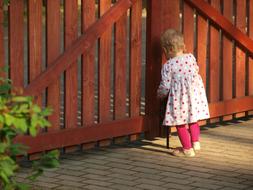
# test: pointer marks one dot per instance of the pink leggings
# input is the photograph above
(188, 136)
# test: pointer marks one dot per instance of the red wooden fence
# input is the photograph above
(92, 72)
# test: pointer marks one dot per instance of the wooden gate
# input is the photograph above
(84, 58)
(92, 72)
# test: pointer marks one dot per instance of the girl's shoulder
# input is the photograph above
(182, 58)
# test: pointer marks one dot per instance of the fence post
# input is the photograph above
(153, 67)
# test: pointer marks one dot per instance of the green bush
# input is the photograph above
(19, 115)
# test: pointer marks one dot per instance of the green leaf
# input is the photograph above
(18, 149)
(35, 174)
(33, 131)
(22, 186)
(4, 88)
(3, 147)
(20, 99)
(47, 111)
(36, 108)
(20, 123)
(9, 119)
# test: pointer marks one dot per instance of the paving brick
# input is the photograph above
(69, 177)
(198, 174)
(119, 165)
(98, 177)
(122, 171)
(207, 186)
(45, 184)
(150, 187)
(96, 171)
(148, 176)
(124, 182)
(123, 176)
(96, 166)
(176, 175)
(176, 180)
(70, 183)
(123, 187)
(97, 183)
(47, 179)
(69, 188)
(178, 186)
(69, 172)
(96, 161)
(95, 187)
(146, 170)
(150, 181)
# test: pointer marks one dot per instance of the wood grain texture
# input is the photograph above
(120, 57)
(250, 74)
(170, 14)
(227, 55)
(35, 41)
(214, 15)
(228, 107)
(153, 68)
(88, 66)
(105, 67)
(214, 80)
(214, 61)
(53, 42)
(188, 28)
(16, 42)
(202, 27)
(63, 138)
(135, 58)
(80, 46)
(71, 86)
(240, 74)
(2, 55)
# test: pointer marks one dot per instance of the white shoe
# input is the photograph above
(189, 153)
(196, 146)
(183, 152)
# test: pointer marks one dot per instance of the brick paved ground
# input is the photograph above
(225, 163)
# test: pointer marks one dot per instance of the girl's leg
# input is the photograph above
(184, 136)
(195, 132)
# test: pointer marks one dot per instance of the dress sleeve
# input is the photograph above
(194, 63)
(164, 86)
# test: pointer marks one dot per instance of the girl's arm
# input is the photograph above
(164, 86)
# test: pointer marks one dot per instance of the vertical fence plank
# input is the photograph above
(188, 28)
(170, 14)
(214, 80)
(250, 74)
(88, 66)
(135, 58)
(202, 46)
(153, 68)
(71, 27)
(120, 67)
(250, 67)
(104, 67)
(240, 55)
(53, 33)
(16, 42)
(202, 28)
(227, 61)
(35, 41)
(2, 57)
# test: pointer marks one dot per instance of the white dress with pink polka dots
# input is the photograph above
(187, 102)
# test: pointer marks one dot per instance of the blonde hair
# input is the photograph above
(172, 41)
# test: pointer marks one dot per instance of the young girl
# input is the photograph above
(181, 83)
